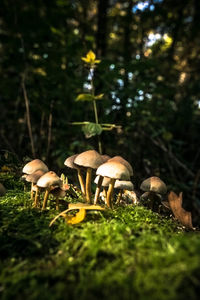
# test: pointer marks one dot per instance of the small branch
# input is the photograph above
(28, 115)
(49, 129)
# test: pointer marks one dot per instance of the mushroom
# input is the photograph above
(2, 190)
(101, 182)
(33, 178)
(123, 162)
(123, 185)
(154, 188)
(33, 166)
(114, 170)
(90, 159)
(48, 181)
(69, 162)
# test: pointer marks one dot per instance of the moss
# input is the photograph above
(126, 253)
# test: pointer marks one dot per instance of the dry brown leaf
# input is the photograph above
(179, 212)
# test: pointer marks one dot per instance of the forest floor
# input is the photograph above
(126, 253)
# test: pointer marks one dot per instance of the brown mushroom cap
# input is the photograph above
(105, 157)
(69, 162)
(113, 169)
(105, 182)
(49, 179)
(34, 177)
(123, 162)
(2, 190)
(89, 159)
(124, 185)
(154, 184)
(35, 165)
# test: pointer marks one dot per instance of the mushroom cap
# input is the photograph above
(123, 162)
(49, 179)
(69, 162)
(105, 157)
(154, 184)
(89, 159)
(35, 165)
(113, 169)
(124, 185)
(34, 177)
(2, 190)
(105, 182)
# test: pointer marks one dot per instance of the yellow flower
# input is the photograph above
(91, 58)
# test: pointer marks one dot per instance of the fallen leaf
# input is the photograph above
(79, 217)
(175, 202)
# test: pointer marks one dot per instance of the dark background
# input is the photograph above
(151, 88)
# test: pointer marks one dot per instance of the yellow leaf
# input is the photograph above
(79, 217)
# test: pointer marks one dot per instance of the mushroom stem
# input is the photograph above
(37, 197)
(81, 181)
(32, 192)
(119, 196)
(98, 189)
(46, 195)
(110, 192)
(57, 202)
(88, 184)
(105, 192)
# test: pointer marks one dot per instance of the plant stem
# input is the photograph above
(95, 108)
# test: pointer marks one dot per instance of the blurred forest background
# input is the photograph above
(149, 74)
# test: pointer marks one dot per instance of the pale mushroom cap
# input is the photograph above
(34, 177)
(89, 159)
(123, 162)
(105, 182)
(2, 190)
(69, 162)
(113, 169)
(154, 184)
(35, 165)
(49, 179)
(124, 185)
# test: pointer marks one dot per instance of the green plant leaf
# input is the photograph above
(84, 97)
(98, 97)
(92, 129)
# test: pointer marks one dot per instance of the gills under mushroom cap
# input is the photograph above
(35, 165)
(124, 185)
(154, 184)
(113, 169)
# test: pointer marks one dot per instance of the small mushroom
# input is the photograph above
(123, 185)
(2, 190)
(154, 188)
(48, 181)
(114, 170)
(69, 162)
(90, 160)
(33, 166)
(101, 182)
(33, 178)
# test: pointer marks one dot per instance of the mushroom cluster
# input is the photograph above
(108, 170)
(37, 172)
(110, 174)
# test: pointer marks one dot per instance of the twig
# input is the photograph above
(49, 128)
(28, 115)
